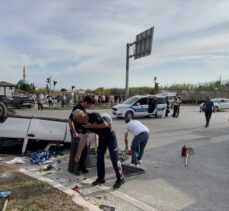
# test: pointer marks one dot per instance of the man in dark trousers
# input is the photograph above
(208, 108)
(76, 130)
(152, 105)
(107, 139)
(168, 106)
(176, 106)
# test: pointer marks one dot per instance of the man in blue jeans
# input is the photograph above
(141, 136)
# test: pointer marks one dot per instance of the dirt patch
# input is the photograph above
(32, 195)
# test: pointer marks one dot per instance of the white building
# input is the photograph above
(7, 89)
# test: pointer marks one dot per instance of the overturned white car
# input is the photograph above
(25, 129)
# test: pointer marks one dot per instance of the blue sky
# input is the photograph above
(83, 43)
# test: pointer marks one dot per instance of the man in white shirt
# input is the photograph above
(141, 136)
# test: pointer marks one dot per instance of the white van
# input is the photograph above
(137, 106)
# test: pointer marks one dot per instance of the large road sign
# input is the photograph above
(143, 43)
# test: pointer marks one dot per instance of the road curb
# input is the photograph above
(79, 200)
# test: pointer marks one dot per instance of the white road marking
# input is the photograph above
(129, 199)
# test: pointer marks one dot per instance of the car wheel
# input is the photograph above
(216, 108)
(129, 114)
(18, 106)
(3, 112)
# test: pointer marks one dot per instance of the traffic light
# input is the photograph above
(156, 85)
(73, 87)
(48, 80)
(54, 83)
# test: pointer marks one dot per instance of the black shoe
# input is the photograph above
(76, 169)
(98, 182)
(118, 183)
(83, 170)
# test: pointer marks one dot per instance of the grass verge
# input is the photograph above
(28, 194)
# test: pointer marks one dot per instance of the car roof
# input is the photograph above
(140, 96)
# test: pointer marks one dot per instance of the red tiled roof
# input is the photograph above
(3, 83)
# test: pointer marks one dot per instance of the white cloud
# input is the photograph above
(75, 38)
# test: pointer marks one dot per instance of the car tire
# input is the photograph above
(3, 112)
(129, 114)
(18, 106)
(216, 108)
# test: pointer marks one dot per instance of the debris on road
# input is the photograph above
(185, 152)
(106, 207)
(5, 195)
(16, 160)
(40, 157)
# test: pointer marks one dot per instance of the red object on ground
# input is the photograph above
(128, 152)
(184, 151)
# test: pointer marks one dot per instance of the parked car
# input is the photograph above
(219, 104)
(137, 106)
(21, 101)
(4, 99)
(22, 129)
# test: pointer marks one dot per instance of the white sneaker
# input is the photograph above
(132, 164)
(140, 161)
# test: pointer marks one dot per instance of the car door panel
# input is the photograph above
(42, 129)
(140, 107)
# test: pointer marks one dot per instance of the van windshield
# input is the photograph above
(130, 100)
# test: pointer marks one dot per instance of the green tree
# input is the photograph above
(25, 87)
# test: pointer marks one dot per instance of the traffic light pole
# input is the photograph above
(50, 85)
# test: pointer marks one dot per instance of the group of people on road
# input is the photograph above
(152, 106)
(81, 123)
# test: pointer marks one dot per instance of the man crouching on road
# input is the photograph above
(107, 139)
(141, 136)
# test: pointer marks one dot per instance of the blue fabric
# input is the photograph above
(39, 157)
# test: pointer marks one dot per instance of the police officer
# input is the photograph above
(176, 106)
(208, 109)
(107, 139)
(76, 130)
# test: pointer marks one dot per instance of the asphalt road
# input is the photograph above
(168, 184)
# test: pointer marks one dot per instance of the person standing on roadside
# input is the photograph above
(152, 105)
(167, 108)
(76, 130)
(208, 108)
(176, 106)
(141, 136)
(39, 102)
(101, 125)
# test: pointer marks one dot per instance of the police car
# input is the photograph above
(137, 106)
